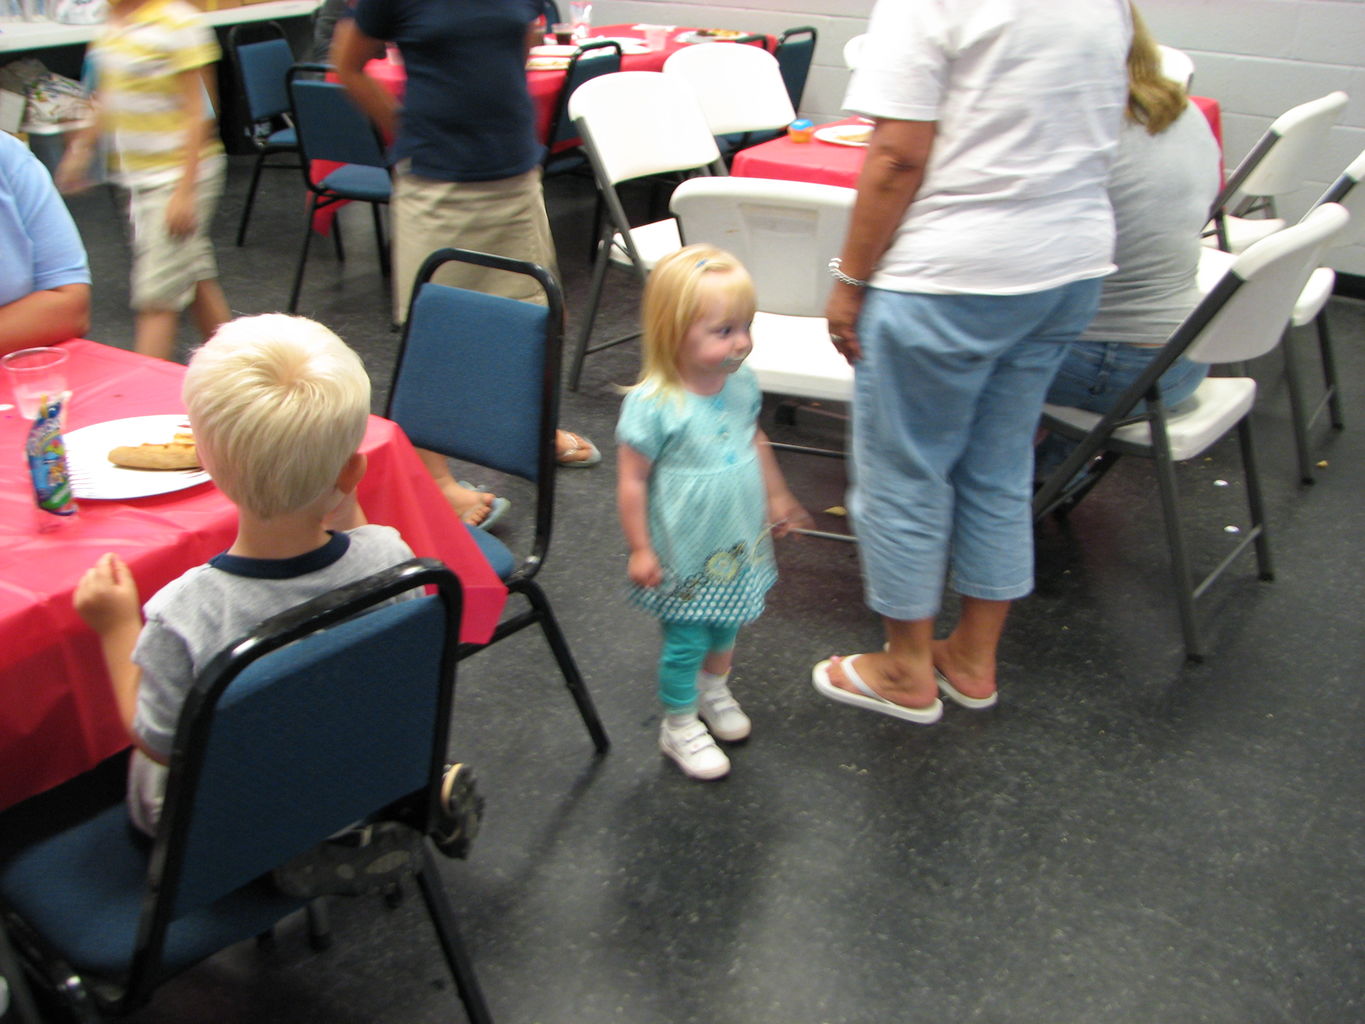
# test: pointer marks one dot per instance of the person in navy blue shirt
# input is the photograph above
(467, 159)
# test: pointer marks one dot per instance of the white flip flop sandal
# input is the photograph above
(867, 698)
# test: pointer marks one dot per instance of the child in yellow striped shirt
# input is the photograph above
(153, 63)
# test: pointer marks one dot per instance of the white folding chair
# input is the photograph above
(1311, 307)
(635, 124)
(853, 51)
(1276, 166)
(1240, 319)
(1176, 65)
(783, 232)
(740, 89)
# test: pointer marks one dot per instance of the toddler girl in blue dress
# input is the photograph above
(700, 495)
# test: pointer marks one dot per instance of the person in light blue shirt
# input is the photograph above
(44, 275)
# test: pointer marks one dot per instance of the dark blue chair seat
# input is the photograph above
(362, 184)
(261, 65)
(335, 712)
(282, 139)
(332, 128)
(91, 909)
(497, 554)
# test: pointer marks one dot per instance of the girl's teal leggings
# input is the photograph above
(686, 645)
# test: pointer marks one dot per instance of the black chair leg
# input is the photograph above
(573, 679)
(21, 999)
(457, 957)
(336, 236)
(1329, 371)
(599, 277)
(319, 924)
(379, 240)
(1175, 538)
(1299, 417)
(250, 197)
(1255, 505)
(303, 254)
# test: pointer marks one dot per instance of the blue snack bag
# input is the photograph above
(46, 452)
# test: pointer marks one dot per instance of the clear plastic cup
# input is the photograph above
(35, 374)
(580, 16)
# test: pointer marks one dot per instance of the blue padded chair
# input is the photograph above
(334, 712)
(496, 404)
(795, 48)
(261, 67)
(332, 128)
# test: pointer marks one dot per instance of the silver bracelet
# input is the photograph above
(836, 271)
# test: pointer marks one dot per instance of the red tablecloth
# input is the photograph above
(57, 715)
(828, 164)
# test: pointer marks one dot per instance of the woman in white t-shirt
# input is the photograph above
(1164, 180)
(974, 257)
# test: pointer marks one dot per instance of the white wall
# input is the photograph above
(1260, 57)
(1256, 57)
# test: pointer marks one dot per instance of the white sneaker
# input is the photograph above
(722, 714)
(696, 753)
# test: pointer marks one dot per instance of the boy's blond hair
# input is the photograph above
(672, 303)
(278, 404)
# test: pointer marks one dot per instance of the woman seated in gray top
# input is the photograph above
(1163, 181)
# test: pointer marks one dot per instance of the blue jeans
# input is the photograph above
(947, 396)
(1095, 373)
(686, 645)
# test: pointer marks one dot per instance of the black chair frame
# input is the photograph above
(320, 198)
(95, 998)
(522, 580)
(264, 148)
(560, 126)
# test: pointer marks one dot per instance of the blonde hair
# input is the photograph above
(278, 404)
(1154, 101)
(672, 303)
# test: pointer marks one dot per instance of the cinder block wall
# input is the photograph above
(1256, 57)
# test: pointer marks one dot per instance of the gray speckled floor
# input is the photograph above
(1127, 838)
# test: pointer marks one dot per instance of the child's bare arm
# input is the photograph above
(351, 51)
(73, 172)
(181, 215)
(107, 599)
(632, 501)
(784, 511)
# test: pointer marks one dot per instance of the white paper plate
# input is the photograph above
(844, 134)
(94, 476)
(553, 50)
(547, 63)
(693, 36)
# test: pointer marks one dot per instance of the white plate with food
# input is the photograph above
(710, 35)
(844, 134)
(145, 441)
